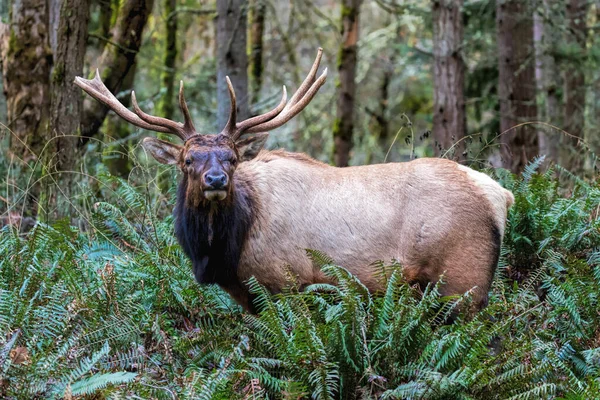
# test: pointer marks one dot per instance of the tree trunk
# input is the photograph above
(257, 27)
(575, 84)
(26, 60)
(117, 59)
(69, 37)
(344, 123)
(381, 117)
(449, 78)
(516, 85)
(232, 58)
(167, 77)
(108, 13)
(594, 133)
(166, 107)
(546, 76)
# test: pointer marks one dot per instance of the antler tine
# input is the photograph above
(259, 119)
(96, 88)
(291, 110)
(188, 124)
(310, 78)
(230, 128)
(286, 110)
(174, 127)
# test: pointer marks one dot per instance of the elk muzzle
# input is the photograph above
(215, 184)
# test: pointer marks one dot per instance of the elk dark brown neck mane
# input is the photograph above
(212, 235)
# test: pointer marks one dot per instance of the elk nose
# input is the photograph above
(215, 180)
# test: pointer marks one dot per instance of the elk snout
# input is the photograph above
(215, 180)
(215, 185)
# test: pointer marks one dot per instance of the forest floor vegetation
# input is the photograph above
(113, 311)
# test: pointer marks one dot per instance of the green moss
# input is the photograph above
(348, 12)
(337, 127)
(58, 74)
(115, 6)
(105, 74)
(14, 47)
(27, 54)
(256, 67)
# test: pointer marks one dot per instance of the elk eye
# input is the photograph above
(188, 161)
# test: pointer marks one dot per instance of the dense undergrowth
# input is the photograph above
(114, 312)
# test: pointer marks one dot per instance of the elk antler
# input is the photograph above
(96, 88)
(284, 110)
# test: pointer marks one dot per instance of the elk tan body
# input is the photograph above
(242, 211)
(434, 216)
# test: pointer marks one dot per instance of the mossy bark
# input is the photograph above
(257, 28)
(166, 106)
(575, 87)
(593, 134)
(117, 59)
(343, 126)
(26, 61)
(449, 118)
(108, 17)
(232, 58)
(546, 38)
(516, 83)
(65, 104)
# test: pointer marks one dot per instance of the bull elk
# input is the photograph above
(243, 211)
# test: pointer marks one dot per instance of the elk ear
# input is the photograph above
(163, 152)
(249, 146)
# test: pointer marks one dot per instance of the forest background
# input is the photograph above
(97, 298)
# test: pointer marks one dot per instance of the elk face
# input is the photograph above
(208, 161)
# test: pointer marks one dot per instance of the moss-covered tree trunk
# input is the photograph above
(232, 58)
(546, 37)
(108, 18)
(26, 61)
(166, 106)
(576, 12)
(117, 59)
(516, 84)
(381, 117)
(449, 120)
(257, 27)
(594, 132)
(344, 123)
(68, 42)
(167, 78)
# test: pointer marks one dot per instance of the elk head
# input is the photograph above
(209, 161)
